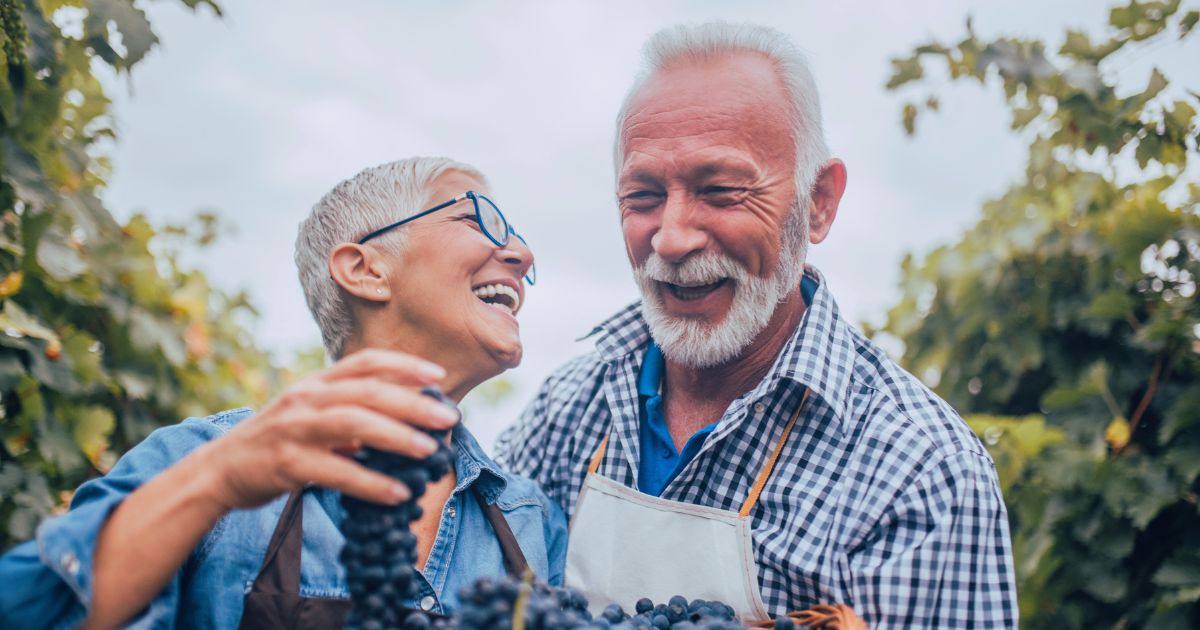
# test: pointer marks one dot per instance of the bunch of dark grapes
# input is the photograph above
(381, 551)
(498, 604)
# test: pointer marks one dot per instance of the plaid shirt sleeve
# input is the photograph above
(940, 557)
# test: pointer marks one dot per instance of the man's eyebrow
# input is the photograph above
(708, 169)
(637, 175)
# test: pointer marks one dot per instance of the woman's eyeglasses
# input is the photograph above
(491, 221)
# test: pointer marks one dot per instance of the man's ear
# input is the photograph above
(826, 195)
(360, 271)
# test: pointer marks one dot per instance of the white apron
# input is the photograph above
(625, 545)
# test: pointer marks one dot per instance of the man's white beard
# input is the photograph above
(696, 343)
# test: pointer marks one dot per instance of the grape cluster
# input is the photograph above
(381, 551)
(497, 604)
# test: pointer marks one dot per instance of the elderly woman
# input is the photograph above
(234, 519)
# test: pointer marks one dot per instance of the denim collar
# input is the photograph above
(473, 466)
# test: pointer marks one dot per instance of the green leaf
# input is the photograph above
(57, 446)
(1188, 23)
(22, 171)
(156, 333)
(137, 38)
(1103, 583)
(92, 426)
(1112, 303)
(1181, 114)
(905, 71)
(61, 261)
(1181, 569)
(1184, 413)
(15, 322)
(1138, 492)
(910, 118)
(1154, 87)
(1022, 116)
(11, 370)
(1184, 459)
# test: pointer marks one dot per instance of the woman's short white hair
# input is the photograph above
(375, 197)
(712, 40)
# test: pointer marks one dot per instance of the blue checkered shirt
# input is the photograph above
(882, 498)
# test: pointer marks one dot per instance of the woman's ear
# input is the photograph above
(361, 271)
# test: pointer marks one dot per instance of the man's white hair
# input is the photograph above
(698, 43)
(375, 197)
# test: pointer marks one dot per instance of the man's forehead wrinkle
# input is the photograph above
(677, 122)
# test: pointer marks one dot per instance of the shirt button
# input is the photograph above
(450, 511)
(760, 408)
(427, 603)
(70, 563)
(666, 454)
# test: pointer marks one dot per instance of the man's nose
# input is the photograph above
(680, 233)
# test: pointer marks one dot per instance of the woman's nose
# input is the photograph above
(516, 253)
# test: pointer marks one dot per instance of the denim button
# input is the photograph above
(450, 511)
(427, 603)
(70, 563)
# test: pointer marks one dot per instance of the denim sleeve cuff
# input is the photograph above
(67, 544)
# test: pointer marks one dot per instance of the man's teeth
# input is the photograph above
(489, 292)
(693, 291)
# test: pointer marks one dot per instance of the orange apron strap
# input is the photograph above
(595, 465)
(765, 473)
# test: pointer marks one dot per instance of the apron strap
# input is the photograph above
(765, 473)
(595, 465)
(277, 573)
(514, 559)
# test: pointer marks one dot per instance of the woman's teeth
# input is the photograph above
(500, 296)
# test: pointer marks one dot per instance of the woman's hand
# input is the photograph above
(369, 398)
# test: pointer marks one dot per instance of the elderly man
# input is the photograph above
(732, 437)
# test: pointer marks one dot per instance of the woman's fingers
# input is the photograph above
(386, 365)
(351, 424)
(348, 477)
(402, 404)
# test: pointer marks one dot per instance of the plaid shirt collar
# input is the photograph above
(818, 355)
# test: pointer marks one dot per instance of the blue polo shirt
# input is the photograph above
(660, 461)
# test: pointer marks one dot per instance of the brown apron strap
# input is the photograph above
(281, 566)
(514, 559)
(765, 473)
(274, 597)
(595, 465)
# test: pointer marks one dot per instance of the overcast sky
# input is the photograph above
(258, 114)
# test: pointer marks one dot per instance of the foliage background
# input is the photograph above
(1063, 323)
(103, 334)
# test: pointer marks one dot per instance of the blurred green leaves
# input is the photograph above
(1065, 324)
(103, 335)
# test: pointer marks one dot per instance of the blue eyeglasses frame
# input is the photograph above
(530, 276)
